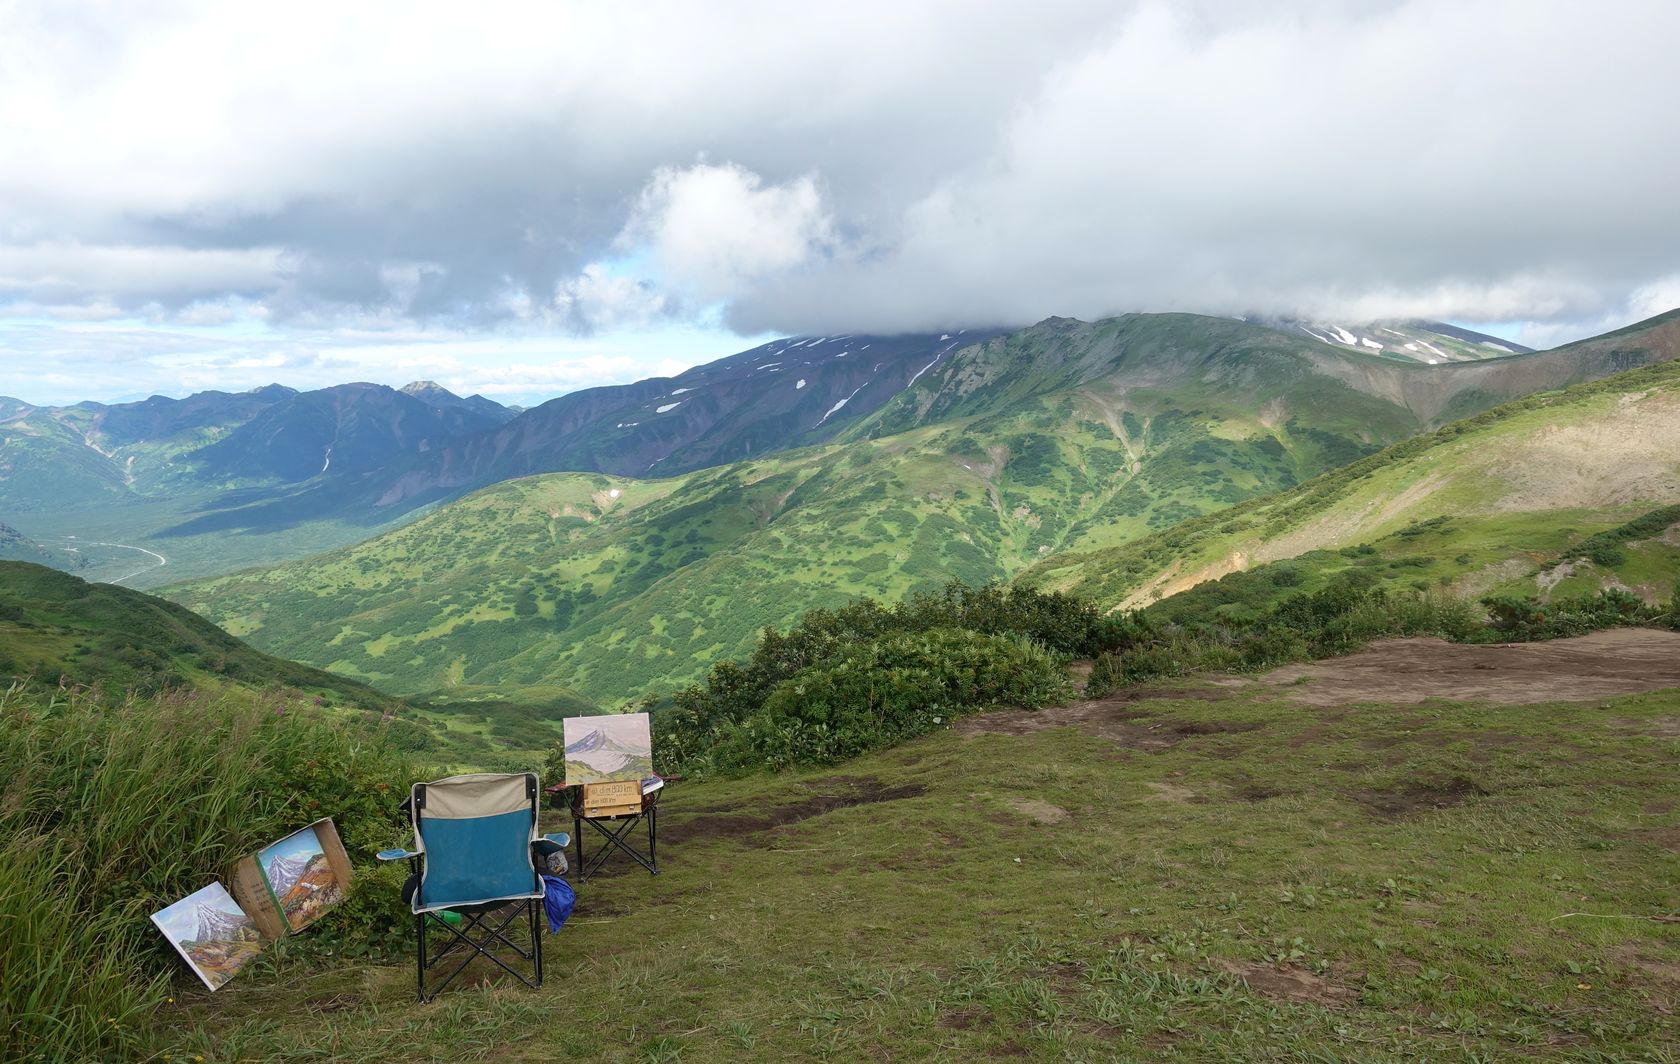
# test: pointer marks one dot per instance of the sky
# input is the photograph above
(522, 199)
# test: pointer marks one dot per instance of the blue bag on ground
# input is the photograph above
(558, 901)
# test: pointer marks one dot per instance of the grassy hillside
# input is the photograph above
(1484, 504)
(611, 585)
(116, 807)
(55, 625)
(1208, 875)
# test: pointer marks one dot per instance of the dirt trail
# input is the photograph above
(1618, 662)
(1115, 717)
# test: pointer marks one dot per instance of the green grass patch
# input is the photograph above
(1274, 882)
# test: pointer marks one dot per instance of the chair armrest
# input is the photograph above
(396, 855)
(563, 838)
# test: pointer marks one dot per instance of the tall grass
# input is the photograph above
(111, 810)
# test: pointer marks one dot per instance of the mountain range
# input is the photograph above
(1064, 440)
(1495, 503)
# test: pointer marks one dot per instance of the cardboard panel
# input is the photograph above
(612, 799)
(250, 889)
(288, 884)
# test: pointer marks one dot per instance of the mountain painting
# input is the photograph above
(609, 748)
(301, 877)
(212, 933)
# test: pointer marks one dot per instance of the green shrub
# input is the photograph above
(734, 691)
(1107, 675)
(113, 810)
(870, 695)
(1526, 619)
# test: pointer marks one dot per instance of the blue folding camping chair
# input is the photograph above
(476, 853)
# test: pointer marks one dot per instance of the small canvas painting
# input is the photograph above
(300, 876)
(212, 933)
(608, 748)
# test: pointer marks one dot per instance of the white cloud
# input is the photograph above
(72, 272)
(713, 231)
(1486, 158)
(598, 299)
(527, 170)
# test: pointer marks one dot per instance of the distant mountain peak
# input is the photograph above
(427, 390)
(1405, 339)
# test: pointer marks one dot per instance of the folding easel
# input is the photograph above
(616, 833)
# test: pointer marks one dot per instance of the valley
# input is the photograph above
(1136, 532)
(1056, 453)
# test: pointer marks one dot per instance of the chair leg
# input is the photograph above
(420, 956)
(535, 919)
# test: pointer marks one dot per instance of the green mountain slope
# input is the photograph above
(1486, 504)
(1066, 436)
(1279, 374)
(17, 547)
(56, 625)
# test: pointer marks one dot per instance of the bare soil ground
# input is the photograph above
(1395, 671)
(1617, 662)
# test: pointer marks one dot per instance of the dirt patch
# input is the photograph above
(1660, 727)
(1169, 792)
(1660, 970)
(1043, 812)
(1618, 662)
(962, 1019)
(845, 793)
(1080, 673)
(1419, 796)
(1667, 838)
(1256, 792)
(1116, 718)
(1208, 727)
(1288, 984)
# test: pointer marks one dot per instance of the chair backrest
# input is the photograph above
(475, 833)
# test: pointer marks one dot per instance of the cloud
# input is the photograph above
(558, 169)
(128, 276)
(715, 231)
(1440, 159)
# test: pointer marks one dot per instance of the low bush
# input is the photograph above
(1513, 618)
(733, 692)
(1336, 620)
(112, 810)
(869, 695)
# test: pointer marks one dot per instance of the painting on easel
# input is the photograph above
(609, 748)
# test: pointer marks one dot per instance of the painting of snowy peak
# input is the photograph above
(212, 933)
(301, 877)
(608, 749)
